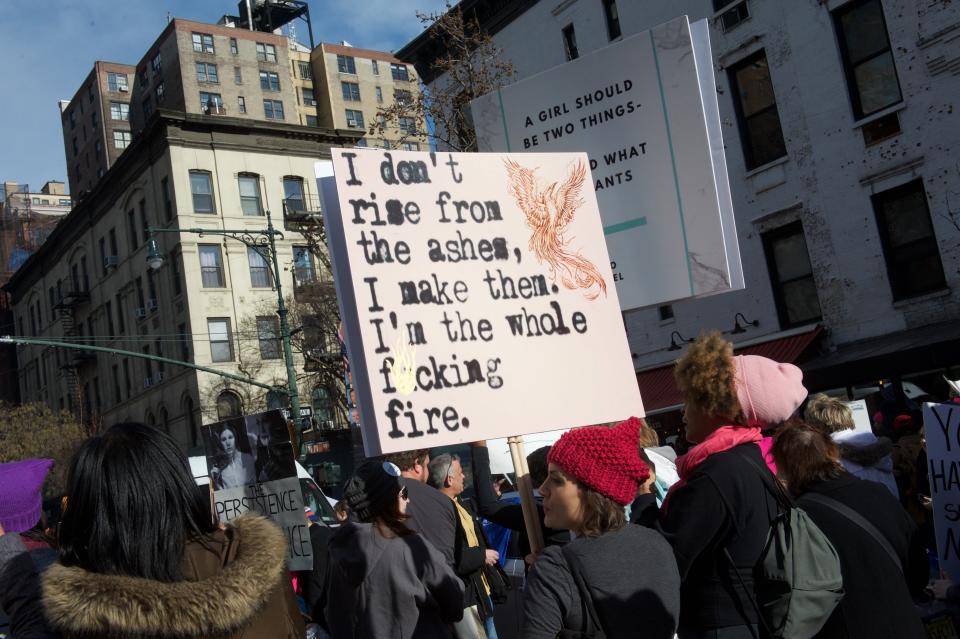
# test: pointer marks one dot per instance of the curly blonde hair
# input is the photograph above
(705, 376)
(827, 414)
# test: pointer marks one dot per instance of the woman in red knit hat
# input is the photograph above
(613, 576)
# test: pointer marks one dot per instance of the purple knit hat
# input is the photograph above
(20, 501)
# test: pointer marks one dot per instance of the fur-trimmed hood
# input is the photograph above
(230, 577)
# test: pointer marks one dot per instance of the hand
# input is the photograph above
(492, 557)
(532, 558)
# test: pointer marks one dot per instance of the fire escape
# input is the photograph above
(74, 360)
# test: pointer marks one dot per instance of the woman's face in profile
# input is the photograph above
(227, 441)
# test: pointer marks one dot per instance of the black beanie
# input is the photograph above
(372, 489)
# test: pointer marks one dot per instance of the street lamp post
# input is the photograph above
(259, 240)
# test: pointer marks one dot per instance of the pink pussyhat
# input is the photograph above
(769, 392)
(20, 499)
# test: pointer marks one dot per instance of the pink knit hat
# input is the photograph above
(605, 459)
(769, 392)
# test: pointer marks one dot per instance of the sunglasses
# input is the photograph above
(404, 494)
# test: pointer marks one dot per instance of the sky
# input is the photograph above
(49, 46)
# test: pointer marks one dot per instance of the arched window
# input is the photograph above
(275, 400)
(191, 420)
(164, 421)
(322, 405)
(151, 420)
(229, 405)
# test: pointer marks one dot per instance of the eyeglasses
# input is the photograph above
(404, 494)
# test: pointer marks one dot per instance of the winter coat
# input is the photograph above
(22, 562)
(724, 505)
(431, 514)
(877, 600)
(235, 586)
(631, 575)
(389, 588)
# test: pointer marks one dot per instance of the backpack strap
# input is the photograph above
(750, 596)
(852, 515)
(591, 621)
(772, 483)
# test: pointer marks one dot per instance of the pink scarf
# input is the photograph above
(724, 438)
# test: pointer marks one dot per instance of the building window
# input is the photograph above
(165, 193)
(351, 91)
(346, 64)
(306, 73)
(354, 119)
(121, 319)
(309, 98)
(410, 146)
(76, 148)
(176, 273)
(203, 43)
(147, 107)
(250, 194)
(909, 244)
(241, 104)
(867, 57)
(734, 16)
(293, 199)
(266, 52)
(268, 334)
(144, 221)
(791, 275)
(233, 46)
(121, 139)
(259, 271)
(221, 344)
(211, 103)
(303, 271)
(117, 81)
(211, 266)
(756, 107)
(376, 67)
(228, 404)
(201, 187)
(207, 73)
(403, 97)
(407, 124)
(156, 64)
(322, 405)
(399, 72)
(269, 81)
(94, 120)
(379, 95)
(312, 121)
(184, 342)
(570, 43)
(237, 75)
(613, 19)
(273, 109)
(159, 92)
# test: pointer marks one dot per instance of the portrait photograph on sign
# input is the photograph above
(477, 295)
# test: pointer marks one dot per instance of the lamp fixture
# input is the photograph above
(154, 256)
(673, 341)
(738, 328)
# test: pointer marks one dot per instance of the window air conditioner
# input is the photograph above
(122, 89)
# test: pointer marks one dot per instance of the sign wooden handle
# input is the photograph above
(527, 502)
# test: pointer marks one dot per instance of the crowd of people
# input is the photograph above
(778, 521)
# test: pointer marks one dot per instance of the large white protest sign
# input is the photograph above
(251, 466)
(942, 430)
(639, 110)
(477, 296)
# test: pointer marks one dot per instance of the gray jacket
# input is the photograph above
(397, 588)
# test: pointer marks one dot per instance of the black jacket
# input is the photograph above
(507, 515)
(877, 601)
(431, 514)
(314, 586)
(724, 504)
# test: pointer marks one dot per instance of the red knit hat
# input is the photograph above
(605, 459)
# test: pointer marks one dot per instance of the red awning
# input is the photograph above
(658, 389)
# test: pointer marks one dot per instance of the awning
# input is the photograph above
(659, 390)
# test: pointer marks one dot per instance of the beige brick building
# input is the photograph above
(212, 301)
(96, 124)
(217, 70)
(302, 74)
(352, 84)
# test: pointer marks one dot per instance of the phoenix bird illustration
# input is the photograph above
(549, 211)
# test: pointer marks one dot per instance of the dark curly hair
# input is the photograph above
(705, 376)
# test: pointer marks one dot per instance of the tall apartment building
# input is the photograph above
(26, 219)
(302, 73)
(839, 129)
(352, 84)
(211, 303)
(217, 70)
(96, 124)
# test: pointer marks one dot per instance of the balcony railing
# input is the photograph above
(72, 298)
(300, 211)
